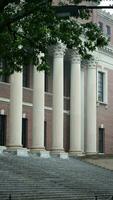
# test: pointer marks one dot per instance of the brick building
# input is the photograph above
(70, 109)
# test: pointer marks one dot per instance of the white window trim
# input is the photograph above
(105, 86)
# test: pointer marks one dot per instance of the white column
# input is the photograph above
(15, 116)
(75, 104)
(91, 108)
(38, 110)
(58, 106)
(82, 107)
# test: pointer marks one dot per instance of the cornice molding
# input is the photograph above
(107, 50)
(105, 14)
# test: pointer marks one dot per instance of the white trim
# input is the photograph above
(4, 99)
(30, 105)
(27, 88)
(67, 112)
(27, 104)
(48, 108)
(4, 83)
(49, 93)
(24, 115)
(68, 98)
(2, 112)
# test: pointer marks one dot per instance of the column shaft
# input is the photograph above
(75, 104)
(57, 133)
(91, 109)
(38, 110)
(82, 108)
(15, 117)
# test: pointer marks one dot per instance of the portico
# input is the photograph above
(82, 136)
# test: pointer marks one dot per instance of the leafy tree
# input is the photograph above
(28, 27)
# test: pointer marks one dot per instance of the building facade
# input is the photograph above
(69, 109)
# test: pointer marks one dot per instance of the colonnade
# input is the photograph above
(76, 131)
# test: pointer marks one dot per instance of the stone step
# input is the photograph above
(37, 178)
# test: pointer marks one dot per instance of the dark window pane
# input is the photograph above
(100, 25)
(108, 30)
(45, 133)
(100, 86)
(2, 130)
(3, 78)
(24, 131)
(101, 140)
(46, 82)
(26, 76)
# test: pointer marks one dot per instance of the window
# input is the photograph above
(26, 76)
(3, 78)
(108, 29)
(100, 25)
(102, 84)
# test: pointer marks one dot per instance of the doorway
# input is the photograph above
(24, 132)
(45, 134)
(2, 130)
(101, 140)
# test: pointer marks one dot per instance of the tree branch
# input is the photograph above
(4, 3)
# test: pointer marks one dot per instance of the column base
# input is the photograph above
(76, 153)
(36, 149)
(91, 154)
(2, 149)
(59, 153)
(10, 146)
(41, 152)
(19, 151)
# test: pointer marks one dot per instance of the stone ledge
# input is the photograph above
(2, 149)
(64, 155)
(76, 154)
(22, 152)
(40, 153)
(44, 154)
(61, 155)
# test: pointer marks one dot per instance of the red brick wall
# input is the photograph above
(105, 116)
(4, 90)
(27, 95)
(5, 107)
(105, 20)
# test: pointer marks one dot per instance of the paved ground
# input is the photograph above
(103, 162)
(35, 178)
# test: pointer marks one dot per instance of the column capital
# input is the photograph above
(74, 56)
(91, 63)
(57, 50)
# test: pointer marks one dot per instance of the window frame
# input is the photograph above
(101, 25)
(105, 86)
(3, 78)
(108, 32)
(26, 76)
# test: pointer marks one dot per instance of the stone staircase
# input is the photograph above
(33, 178)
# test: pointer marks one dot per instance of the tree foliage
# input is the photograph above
(28, 27)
